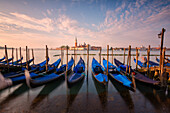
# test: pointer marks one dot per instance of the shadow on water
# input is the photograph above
(125, 94)
(19, 91)
(72, 93)
(102, 93)
(168, 95)
(48, 88)
(151, 94)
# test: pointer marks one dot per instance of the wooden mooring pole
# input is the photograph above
(28, 54)
(136, 58)
(162, 69)
(33, 55)
(6, 57)
(27, 57)
(66, 62)
(61, 56)
(16, 54)
(127, 61)
(124, 56)
(100, 51)
(133, 77)
(148, 58)
(87, 60)
(20, 55)
(74, 56)
(112, 55)
(12, 56)
(162, 39)
(107, 71)
(46, 58)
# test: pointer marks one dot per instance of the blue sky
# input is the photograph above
(117, 23)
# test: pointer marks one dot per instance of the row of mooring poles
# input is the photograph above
(27, 56)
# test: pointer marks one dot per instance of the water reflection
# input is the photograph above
(19, 91)
(168, 95)
(73, 92)
(150, 94)
(45, 92)
(102, 93)
(124, 93)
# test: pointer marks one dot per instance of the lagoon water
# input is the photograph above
(85, 97)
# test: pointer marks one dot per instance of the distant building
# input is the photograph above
(83, 46)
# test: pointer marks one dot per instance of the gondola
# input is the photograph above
(33, 68)
(141, 64)
(19, 79)
(6, 82)
(60, 72)
(13, 68)
(16, 62)
(165, 64)
(78, 73)
(117, 76)
(2, 59)
(144, 65)
(24, 63)
(138, 76)
(5, 62)
(98, 73)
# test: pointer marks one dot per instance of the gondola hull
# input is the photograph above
(139, 77)
(78, 73)
(71, 83)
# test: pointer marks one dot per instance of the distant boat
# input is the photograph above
(46, 78)
(78, 74)
(98, 73)
(117, 76)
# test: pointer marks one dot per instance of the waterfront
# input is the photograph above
(86, 96)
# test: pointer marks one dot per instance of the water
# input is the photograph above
(87, 96)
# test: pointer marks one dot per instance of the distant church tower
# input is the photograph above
(76, 42)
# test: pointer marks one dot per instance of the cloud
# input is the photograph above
(24, 21)
(127, 24)
(49, 12)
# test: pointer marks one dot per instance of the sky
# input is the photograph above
(117, 23)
